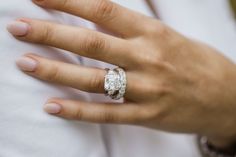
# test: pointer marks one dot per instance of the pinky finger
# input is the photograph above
(96, 112)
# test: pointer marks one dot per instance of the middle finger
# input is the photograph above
(112, 16)
(81, 41)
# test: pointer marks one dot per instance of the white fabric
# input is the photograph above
(210, 21)
(26, 131)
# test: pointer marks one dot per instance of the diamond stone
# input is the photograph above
(112, 83)
(123, 84)
(115, 83)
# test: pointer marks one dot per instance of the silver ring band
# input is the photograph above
(123, 84)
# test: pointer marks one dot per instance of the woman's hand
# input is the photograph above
(174, 83)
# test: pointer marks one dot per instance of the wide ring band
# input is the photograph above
(115, 83)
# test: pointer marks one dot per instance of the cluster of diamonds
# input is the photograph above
(112, 82)
(123, 84)
(115, 83)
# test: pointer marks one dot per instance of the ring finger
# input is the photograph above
(83, 78)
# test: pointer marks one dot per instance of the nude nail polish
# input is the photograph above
(52, 108)
(18, 28)
(38, 1)
(27, 64)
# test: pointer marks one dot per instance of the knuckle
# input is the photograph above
(159, 91)
(94, 45)
(78, 114)
(104, 11)
(163, 90)
(152, 59)
(108, 117)
(157, 28)
(153, 113)
(162, 30)
(159, 65)
(52, 74)
(65, 3)
(155, 90)
(47, 34)
(161, 115)
(96, 82)
(157, 62)
(147, 114)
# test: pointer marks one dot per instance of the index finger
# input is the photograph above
(112, 16)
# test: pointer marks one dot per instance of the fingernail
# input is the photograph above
(18, 28)
(38, 1)
(52, 108)
(27, 64)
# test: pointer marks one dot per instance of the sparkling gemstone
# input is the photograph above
(112, 82)
(115, 83)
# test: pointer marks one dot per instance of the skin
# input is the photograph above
(175, 84)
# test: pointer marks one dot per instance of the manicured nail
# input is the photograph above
(52, 108)
(38, 1)
(27, 64)
(18, 28)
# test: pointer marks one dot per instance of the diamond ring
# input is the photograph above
(115, 83)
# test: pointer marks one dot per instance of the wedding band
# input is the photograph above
(123, 84)
(115, 83)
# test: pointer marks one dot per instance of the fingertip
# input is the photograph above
(33, 55)
(52, 108)
(54, 100)
(18, 28)
(42, 3)
(38, 1)
(27, 64)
